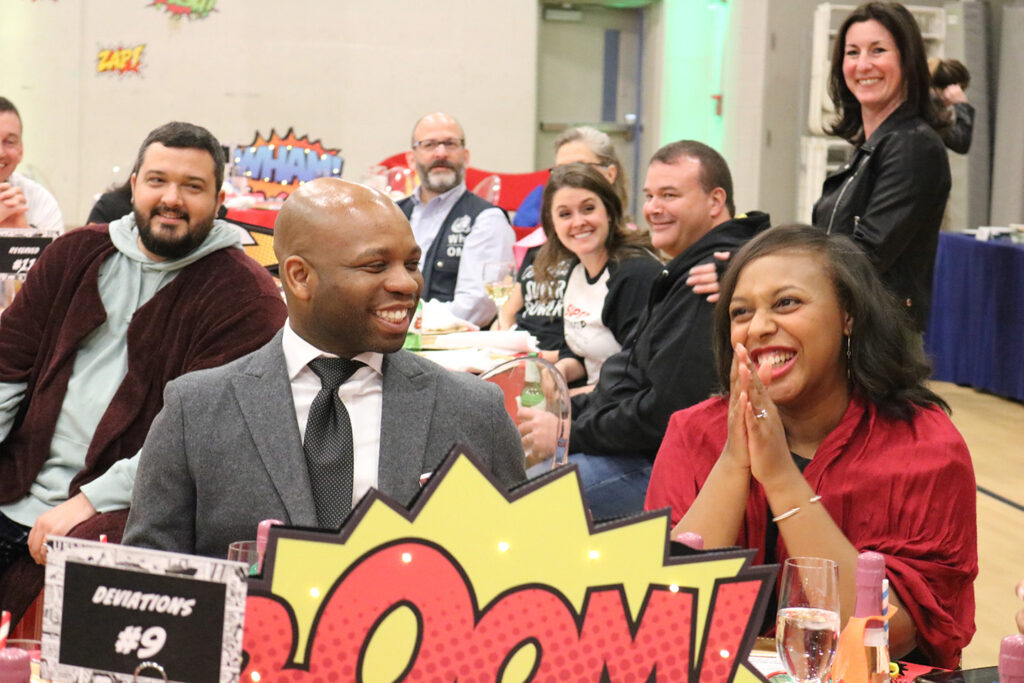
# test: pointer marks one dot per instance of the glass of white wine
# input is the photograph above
(807, 629)
(499, 279)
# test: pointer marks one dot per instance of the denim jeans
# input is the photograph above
(613, 485)
(13, 542)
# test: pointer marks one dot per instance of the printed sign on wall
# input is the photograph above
(476, 584)
(276, 166)
(193, 9)
(120, 60)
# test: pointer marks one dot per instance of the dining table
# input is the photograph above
(975, 333)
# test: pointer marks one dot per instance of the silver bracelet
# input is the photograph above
(789, 513)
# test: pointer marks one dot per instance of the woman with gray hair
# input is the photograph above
(538, 308)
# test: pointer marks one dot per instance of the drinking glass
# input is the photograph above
(245, 551)
(499, 279)
(807, 629)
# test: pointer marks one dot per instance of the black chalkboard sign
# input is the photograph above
(18, 254)
(112, 608)
(114, 619)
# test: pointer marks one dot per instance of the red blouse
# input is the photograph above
(901, 488)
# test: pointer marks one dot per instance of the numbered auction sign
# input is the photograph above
(110, 608)
(19, 250)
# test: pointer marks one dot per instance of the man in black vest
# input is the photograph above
(457, 231)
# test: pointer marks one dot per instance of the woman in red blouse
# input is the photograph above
(828, 442)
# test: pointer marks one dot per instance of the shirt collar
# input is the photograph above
(298, 352)
(445, 197)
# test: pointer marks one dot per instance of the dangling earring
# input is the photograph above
(849, 358)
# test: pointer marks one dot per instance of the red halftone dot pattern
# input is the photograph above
(453, 647)
(537, 612)
(733, 604)
(267, 637)
(664, 631)
(410, 573)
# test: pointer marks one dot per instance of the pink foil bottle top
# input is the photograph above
(15, 666)
(870, 572)
(1011, 659)
(262, 532)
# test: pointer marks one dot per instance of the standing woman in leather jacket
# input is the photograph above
(891, 195)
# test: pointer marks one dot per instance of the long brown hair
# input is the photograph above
(900, 23)
(620, 240)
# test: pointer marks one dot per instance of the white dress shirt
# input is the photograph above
(490, 240)
(362, 395)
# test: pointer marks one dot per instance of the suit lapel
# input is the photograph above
(264, 396)
(409, 395)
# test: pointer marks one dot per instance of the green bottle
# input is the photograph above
(414, 335)
(532, 395)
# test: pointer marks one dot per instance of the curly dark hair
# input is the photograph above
(178, 134)
(620, 240)
(887, 362)
(900, 23)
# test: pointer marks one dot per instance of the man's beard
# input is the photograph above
(441, 184)
(171, 248)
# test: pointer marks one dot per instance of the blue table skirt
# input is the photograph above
(976, 331)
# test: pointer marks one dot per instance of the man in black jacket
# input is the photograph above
(667, 364)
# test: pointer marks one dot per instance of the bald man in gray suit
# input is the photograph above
(226, 451)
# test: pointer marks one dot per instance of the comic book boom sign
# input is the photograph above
(476, 585)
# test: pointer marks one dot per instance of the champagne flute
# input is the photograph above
(807, 629)
(499, 279)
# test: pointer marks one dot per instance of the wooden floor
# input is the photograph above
(994, 430)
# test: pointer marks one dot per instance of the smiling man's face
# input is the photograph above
(11, 148)
(175, 197)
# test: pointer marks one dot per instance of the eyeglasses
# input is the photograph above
(451, 144)
(595, 164)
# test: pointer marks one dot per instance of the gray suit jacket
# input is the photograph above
(225, 451)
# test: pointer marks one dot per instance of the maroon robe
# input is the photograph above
(215, 310)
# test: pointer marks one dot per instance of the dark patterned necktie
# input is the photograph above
(328, 443)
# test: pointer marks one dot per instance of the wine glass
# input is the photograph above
(807, 629)
(499, 279)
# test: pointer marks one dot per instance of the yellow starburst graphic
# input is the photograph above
(439, 578)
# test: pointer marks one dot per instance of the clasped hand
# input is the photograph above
(13, 207)
(756, 437)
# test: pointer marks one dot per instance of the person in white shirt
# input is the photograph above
(24, 203)
(457, 231)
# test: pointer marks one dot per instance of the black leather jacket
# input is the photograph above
(890, 199)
